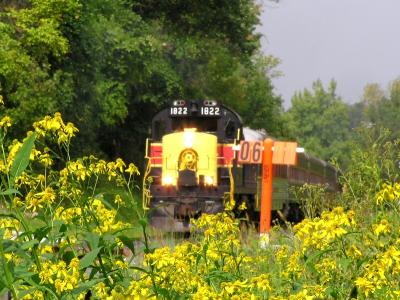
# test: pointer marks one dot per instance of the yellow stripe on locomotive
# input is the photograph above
(189, 151)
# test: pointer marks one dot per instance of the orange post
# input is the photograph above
(266, 192)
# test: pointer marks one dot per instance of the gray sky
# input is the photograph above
(353, 41)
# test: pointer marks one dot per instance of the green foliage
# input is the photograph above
(231, 21)
(32, 43)
(21, 160)
(59, 234)
(374, 161)
(379, 108)
(110, 65)
(320, 121)
(313, 199)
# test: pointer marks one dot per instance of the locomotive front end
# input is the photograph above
(188, 180)
(189, 159)
(189, 162)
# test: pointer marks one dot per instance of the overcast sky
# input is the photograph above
(353, 41)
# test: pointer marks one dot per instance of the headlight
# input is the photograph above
(179, 103)
(167, 180)
(188, 137)
(208, 180)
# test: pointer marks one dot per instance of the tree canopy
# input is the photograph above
(110, 65)
(320, 121)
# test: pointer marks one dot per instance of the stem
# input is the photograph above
(146, 244)
(95, 185)
(103, 270)
(5, 162)
(7, 272)
(343, 249)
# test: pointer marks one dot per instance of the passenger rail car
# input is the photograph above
(194, 170)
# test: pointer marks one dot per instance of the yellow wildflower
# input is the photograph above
(132, 170)
(5, 122)
(382, 227)
(118, 200)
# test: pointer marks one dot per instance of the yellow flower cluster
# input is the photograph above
(381, 228)
(64, 278)
(5, 122)
(218, 226)
(12, 151)
(261, 283)
(102, 291)
(69, 215)
(318, 233)
(382, 275)
(49, 198)
(55, 125)
(186, 268)
(390, 193)
(83, 169)
(36, 201)
(173, 268)
(102, 217)
(105, 218)
(238, 289)
(326, 268)
(140, 289)
(77, 169)
(43, 158)
(293, 267)
(10, 226)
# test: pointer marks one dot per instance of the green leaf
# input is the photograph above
(3, 281)
(40, 287)
(86, 286)
(88, 259)
(21, 160)
(10, 192)
(93, 239)
(29, 244)
(10, 215)
(41, 232)
(63, 228)
(22, 272)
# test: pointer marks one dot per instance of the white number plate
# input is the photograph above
(179, 111)
(210, 111)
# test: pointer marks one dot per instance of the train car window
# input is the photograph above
(159, 130)
(201, 124)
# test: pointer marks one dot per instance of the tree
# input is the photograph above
(109, 65)
(319, 120)
(32, 44)
(379, 108)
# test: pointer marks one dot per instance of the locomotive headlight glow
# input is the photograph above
(167, 180)
(188, 137)
(208, 180)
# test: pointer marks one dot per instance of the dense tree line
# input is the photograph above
(330, 128)
(109, 65)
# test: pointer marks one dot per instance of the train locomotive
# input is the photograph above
(193, 166)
